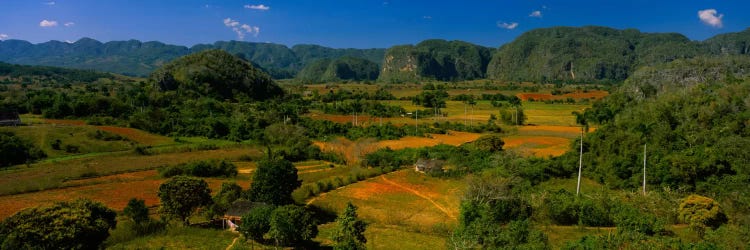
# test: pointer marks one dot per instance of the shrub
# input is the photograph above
(208, 168)
(81, 224)
(701, 212)
(14, 150)
(562, 208)
(256, 223)
(630, 219)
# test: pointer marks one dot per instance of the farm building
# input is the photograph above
(9, 119)
(234, 213)
(429, 166)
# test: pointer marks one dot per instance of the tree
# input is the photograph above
(701, 212)
(257, 222)
(292, 224)
(490, 143)
(273, 182)
(350, 233)
(228, 193)
(182, 195)
(14, 150)
(81, 224)
(137, 211)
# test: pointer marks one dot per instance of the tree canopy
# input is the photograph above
(217, 74)
(80, 224)
(273, 182)
(181, 195)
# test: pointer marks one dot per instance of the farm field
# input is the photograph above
(132, 134)
(400, 203)
(115, 190)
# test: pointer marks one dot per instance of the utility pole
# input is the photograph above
(465, 114)
(416, 122)
(580, 165)
(644, 169)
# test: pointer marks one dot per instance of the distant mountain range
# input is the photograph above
(578, 54)
(136, 58)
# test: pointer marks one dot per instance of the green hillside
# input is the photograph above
(345, 68)
(217, 74)
(585, 54)
(435, 59)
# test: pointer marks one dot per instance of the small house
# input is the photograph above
(429, 166)
(239, 208)
(9, 119)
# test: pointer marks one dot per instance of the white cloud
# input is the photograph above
(68, 41)
(508, 26)
(536, 13)
(710, 17)
(46, 23)
(230, 23)
(257, 7)
(69, 24)
(241, 29)
(3, 36)
(50, 3)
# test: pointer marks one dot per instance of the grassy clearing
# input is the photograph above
(387, 237)
(56, 174)
(551, 114)
(73, 140)
(139, 136)
(181, 238)
(424, 204)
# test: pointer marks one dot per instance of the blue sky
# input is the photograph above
(353, 23)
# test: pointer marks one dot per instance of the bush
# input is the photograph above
(14, 150)
(562, 208)
(701, 212)
(565, 208)
(256, 223)
(208, 168)
(81, 224)
(292, 224)
(630, 219)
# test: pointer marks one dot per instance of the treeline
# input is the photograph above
(25, 74)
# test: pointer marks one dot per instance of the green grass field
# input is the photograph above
(73, 139)
(539, 113)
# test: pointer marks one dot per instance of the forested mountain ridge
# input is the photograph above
(586, 54)
(138, 58)
(435, 59)
(568, 54)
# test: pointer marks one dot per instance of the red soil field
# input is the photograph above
(596, 94)
(130, 133)
(114, 191)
